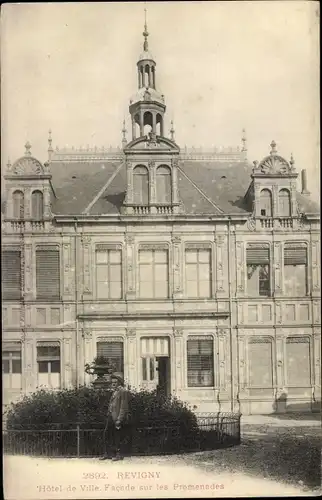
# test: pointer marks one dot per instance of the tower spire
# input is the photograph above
(145, 32)
(124, 141)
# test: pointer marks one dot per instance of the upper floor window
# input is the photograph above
(200, 361)
(11, 273)
(266, 203)
(47, 272)
(37, 204)
(108, 273)
(18, 205)
(141, 185)
(164, 190)
(258, 270)
(11, 365)
(295, 269)
(154, 274)
(48, 361)
(198, 273)
(284, 203)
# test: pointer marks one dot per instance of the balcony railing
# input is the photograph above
(277, 223)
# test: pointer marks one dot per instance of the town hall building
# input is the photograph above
(190, 270)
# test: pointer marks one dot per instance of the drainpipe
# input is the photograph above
(230, 322)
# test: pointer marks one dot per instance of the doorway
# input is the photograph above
(163, 369)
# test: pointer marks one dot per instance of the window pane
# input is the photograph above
(146, 272)
(191, 255)
(204, 289)
(5, 366)
(101, 257)
(48, 351)
(191, 272)
(115, 256)
(146, 256)
(102, 273)
(161, 256)
(161, 289)
(55, 380)
(191, 289)
(103, 290)
(42, 366)
(144, 372)
(115, 290)
(55, 367)
(16, 366)
(204, 256)
(146, 289)
(204, 271)
(161, 272)
(115, 272)
(295, 280)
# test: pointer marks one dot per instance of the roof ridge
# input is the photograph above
(200, 191)
(101, 191)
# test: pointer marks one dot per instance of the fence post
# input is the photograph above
(78, 439)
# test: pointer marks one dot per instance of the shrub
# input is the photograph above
(157, 422)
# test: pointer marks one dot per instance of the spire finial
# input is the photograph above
(273, 146)
(50, 147)
(244, 140)
(172, 131)
(28, 148)
(145, 32)
(124, 141)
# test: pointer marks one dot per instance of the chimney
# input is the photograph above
(304, 183)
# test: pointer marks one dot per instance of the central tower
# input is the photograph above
(147, 106)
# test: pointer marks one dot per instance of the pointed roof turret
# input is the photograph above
(146, 54)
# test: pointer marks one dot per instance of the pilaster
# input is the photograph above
(277, 269)
(130, 266)
(132, 372)
(177, 253)
(179, 356)
(87, 265)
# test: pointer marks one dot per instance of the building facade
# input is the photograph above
(190, 270)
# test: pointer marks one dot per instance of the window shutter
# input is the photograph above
(11, 274)
(112, 351)
(11, 347)
(257, 255)
(48, 273)
(295, 255)
(200, 356)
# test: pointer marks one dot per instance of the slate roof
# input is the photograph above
(211, 188)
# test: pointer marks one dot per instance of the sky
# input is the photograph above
(222, 66)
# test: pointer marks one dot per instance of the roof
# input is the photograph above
(207, 188)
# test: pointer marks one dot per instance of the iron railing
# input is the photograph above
(153, 438)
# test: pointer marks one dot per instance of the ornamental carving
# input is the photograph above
(273, 164)
(87, 334)
(151, 164)
(129, 239)
(178, 332)
(251, 223)
(175, 162)
(27, 166)
(176, 240)
(130, 332)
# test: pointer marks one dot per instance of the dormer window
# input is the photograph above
(266, 203)
(18, 205)
(37, 204)
(141, 185)
(284, 203)
(164, 188)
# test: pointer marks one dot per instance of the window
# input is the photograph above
(113, 352)
(154, 274)
(18, 205)
(148, 369)
(258, 271)
(47, 272)
(200, 352)
(295, 270)
(260, 359)
(164, 185)
(198, 273)
(11, 273)
(48, 361)
(108, 273)
(284, 203)
(37, 205)
(11, 365)
(266, 203)
(141, 185)
(298, 362)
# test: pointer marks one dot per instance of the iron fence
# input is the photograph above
(153, 438)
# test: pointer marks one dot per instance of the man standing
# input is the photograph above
(117, 427)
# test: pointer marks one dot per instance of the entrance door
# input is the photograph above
(155, 363)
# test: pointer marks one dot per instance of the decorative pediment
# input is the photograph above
(27, 165)
(273, 164)
(152, 142)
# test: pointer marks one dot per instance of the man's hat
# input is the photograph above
(117, 377)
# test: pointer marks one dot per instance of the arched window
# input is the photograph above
(18, 205)
(147, 76)
(284, 203)
(147, 122)
(37, 205)
(164, 191)
(266, 203)
(141, 185)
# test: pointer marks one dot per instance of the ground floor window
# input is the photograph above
(200, 361)
(113, 351)
(11, 365)
(48, 361)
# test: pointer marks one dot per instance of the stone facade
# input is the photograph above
(231, 347)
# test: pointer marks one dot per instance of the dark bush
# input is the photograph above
(158, 423)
